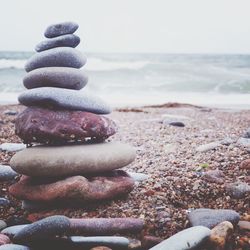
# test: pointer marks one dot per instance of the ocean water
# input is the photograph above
(141, 79)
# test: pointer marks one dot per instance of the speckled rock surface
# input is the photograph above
(73, 189)
(7, 173)
(211, 217)
(72, 159)
(64, 99)
(57, 126)
(187, 239)
(59, 29)
(61, 41)
(57, 57)
(59, 77)
(42, 229)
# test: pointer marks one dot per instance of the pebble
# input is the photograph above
(212, 217)
(208, 147)
(7, 173)
(187, 239)
(247, 134)
(59, 29)
(12, 147)
(13, 230)
(108, 241)
(60, 160)
(139, 177)
(245, 142)
(238, 189)
(244, 225)
(3, 224)
(220, 235)
(68, 40)
(58, 98)
(177, 124)
(14, 247)
(58, 77)
(214, 176)
(57, 57)
(10, 112)
(4, 202)
(4, 239)
(245, 164)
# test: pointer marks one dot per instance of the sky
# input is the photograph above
(132, 26)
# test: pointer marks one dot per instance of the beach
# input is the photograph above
(176, 169)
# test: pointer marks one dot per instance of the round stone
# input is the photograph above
(4, 202)
(59, 77)
(73, 159)
(7, 173)
(61, 41)
(59, 29)
(77, 189)
(57, 57)
(57, 98)
(59, 126)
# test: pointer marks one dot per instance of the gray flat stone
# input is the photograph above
(72, 159)
(2, 224)
(238, 189)
(59, 29)
(12, 147)
(7, 173)
(187, 239)
(209, 146)
(58, 98)
(61, 41)
(13, 247)
(59, 77)
(212, 217)
(13, 230)
(57, 57)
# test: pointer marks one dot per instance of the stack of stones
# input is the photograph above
(69, 160)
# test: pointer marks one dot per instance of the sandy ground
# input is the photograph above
(168, 155)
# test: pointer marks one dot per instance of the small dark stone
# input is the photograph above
(10, 112)
(177, 124)
(4, 202)
(59, 29)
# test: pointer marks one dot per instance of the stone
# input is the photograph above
(245, 142)
(208, 146)
(3, 224)
(14, 247)
(177, 124)
(4, 239)
(227, 141)
(57, 126)
(58, 77)
(7, 173)
(108, 241)
(220, 235)
(139, 177)
(238, 189)
(245, 164)
(42, 229)
(54, 161)
(59, 29)
(12, 147)
(212, 217)
(4, 202)
(58, 98)
(57, 57)
(68, 40)
(214, 176)
(246, 134)
(244, 225)
(77, 189)
(187, 239)
(134, 244)
(13, 230)
(10, 112)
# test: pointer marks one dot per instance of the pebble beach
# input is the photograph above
(189, 157)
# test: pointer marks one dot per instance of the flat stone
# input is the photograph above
(238, 189)
(58, 98)
(244, 225)
(59, 29)
(214, 176)
(208, 146)
(42, 229)
(73, 159)
(138, 176)
(58, 77)
(13, 247)
(57, 126)
(187, 239)
(212, 217)
(108, 241)
(7, 173)
(76, 189)
(4, 202)
(3, 224)
(4, 239)
(60, 41)
(57, 57)
(12, 147)
(220, 235)
(10, 112)
(13, 230)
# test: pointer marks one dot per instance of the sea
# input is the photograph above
(132, 80)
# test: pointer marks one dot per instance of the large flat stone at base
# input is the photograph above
(73, 189)
(59, 126)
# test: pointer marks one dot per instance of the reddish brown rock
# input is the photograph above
(4, 239)
(55, 126)
(76, 188)
(245, 164)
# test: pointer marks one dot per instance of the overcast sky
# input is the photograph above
(172, 26)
